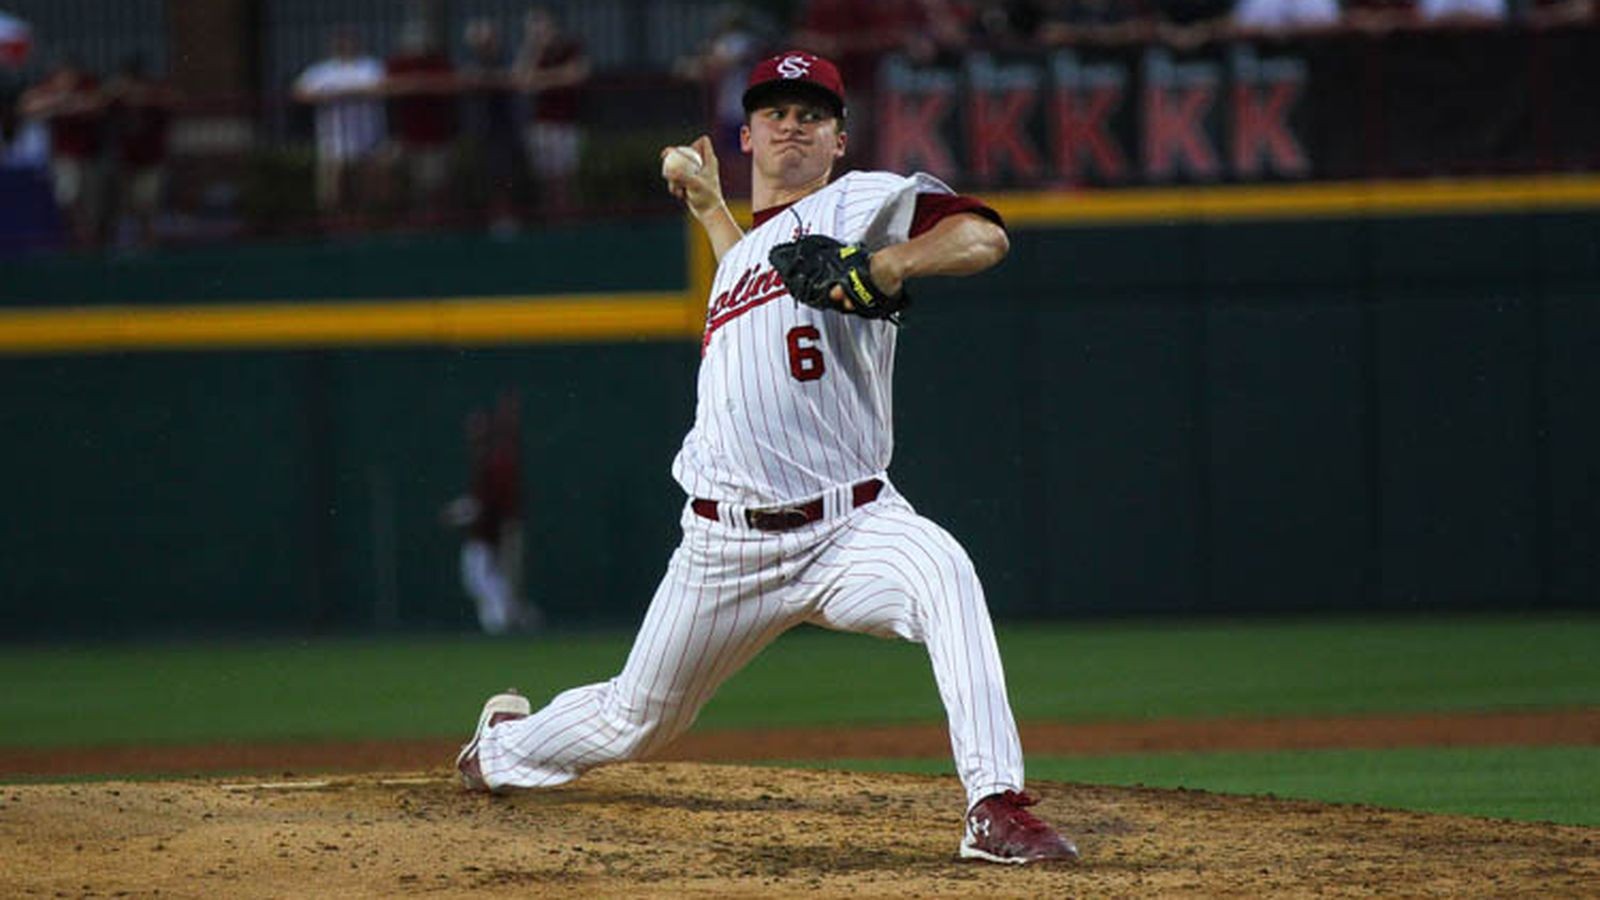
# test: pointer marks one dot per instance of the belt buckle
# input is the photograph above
(778, 518)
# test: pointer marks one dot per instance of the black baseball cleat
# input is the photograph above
(499, 708)
(1001, 830)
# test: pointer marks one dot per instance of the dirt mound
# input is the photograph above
(675, 829)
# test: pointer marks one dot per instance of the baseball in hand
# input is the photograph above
(680, 162)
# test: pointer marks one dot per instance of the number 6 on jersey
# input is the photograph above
(805, 357)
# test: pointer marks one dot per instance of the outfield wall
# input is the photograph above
(1340, 408)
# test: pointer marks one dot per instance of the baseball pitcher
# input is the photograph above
(790, 515)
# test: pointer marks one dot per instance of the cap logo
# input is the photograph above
(795, 66)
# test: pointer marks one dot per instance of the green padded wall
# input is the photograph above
(1187, 418)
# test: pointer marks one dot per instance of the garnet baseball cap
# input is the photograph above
(790, 69)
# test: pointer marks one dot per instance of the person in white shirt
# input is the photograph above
(1438, 12)
(346, 90)
(1277, 16)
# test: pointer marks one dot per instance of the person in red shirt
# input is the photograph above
(420, 80)
(140, 116)
(551, 69)
(70, 100)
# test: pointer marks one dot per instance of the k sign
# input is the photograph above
(1075, 117)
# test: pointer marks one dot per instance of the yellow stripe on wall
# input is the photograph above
(1299, 201)
(678, 315)
(475, 321)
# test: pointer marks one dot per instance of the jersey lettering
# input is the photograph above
(753, 288)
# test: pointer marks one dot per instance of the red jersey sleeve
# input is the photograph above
(931, 208)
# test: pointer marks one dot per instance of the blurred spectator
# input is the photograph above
(1461, 12)
(1185, 24)
(26, 140)
(1278, 16)
(140, 114)
(420, 80)
(943, 33)
(551, 68)
(1379, 16)
(722, 63)
(16, 41)
(349, 119)
(856, 35)
(1003, 24)
(489, 121)
(69, 99)
(1555, 13)
(1103, 21)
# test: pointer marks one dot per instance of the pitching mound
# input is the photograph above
(678, 829)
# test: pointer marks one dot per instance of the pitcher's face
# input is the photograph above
(792, 141)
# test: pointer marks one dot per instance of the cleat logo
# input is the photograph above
(980, 827)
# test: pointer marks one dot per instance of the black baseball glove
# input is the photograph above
(813, 265)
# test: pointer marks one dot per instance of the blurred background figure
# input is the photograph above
(344, 88)
(1185, 24)
(1095, 21)
(1282, 16)
(70, 101)
(139, 115)
(551, 69)
(1379, 16)
(490, 518)
(1462, 12)
(24, 143)
(1006, 24)
(16, 41)
(489, 126)
(857, 36)
(420, 81)
(722, 63)
(1556, 13)
(946, 31)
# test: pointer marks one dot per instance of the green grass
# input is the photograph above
(422, 687)
(411, 687)
(1193, 670)
(1542, 784)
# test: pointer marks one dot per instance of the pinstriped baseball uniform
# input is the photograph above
(794, 412)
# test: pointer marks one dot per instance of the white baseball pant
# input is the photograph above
(490, 587)
(729, 590)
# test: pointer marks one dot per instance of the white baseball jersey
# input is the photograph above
(794, 401)
(794, 404)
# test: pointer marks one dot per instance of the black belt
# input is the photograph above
(790, 517)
